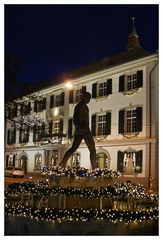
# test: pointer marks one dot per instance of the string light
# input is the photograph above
(58, 215)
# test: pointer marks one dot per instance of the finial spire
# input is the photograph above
(133, 40)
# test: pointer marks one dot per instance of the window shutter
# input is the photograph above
(140, 78)
(93, 127)
(16, 109)
(8, 136)
(139, 158)
(71, 93)
(50, 128)
(27, 134)
(109, 87)
(108, 123)
(121, 121)
(34, 133)
(13, 164)
(20, 133)
(122, 83)
(14, 135)
(94, 90)
(84, 89)
(44, 104)
(61, 127)
(139, 119)
(51, 101)
(70, 128)
(120, 161)
(35, 106)
(7, 157)
(62, 98)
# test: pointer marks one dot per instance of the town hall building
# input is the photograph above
(123, 115)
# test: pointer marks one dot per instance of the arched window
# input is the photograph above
(54, 158)
(23, 162)
(75, 160)
(102, 160)
(37, 164)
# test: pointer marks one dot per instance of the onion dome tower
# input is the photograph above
(133, 39)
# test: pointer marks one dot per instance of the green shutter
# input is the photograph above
(139, 119)
(44, 104)
(62, 98)
(8, 136)
(84, 89)
(34, 133)
(13, 164)
(70, 128)
(120, 160)
(109, 87)
(108, 123)
(50, 128)
(122, 83)
(140, 78)
(61, 127)
(93, 124)
(71, 93)
(35, 106)
(14, 135)
(94, 90)
(139, 158)
(121, 121)
(7, 157)
(51, 101)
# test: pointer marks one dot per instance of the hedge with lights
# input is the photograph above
(119, 191)
(58, 215)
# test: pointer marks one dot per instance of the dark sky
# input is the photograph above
(53, 39)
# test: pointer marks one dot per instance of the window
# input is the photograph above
(38, 132)
(25, 108)
(130, 120)
(58, 100)
(24, 134)
(75, 160)
(101, 124)
(12, 111)
(11, 136)
(54, 158)
(131, 81)
(76, 95)
(37, 163)
(40, 105)
(56, 127)
(102, 88)
(130, 162)
(10, 160)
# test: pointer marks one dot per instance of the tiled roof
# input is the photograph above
(103, 64)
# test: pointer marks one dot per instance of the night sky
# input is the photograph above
(53, 39)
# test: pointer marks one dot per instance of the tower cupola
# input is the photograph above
(133, 39)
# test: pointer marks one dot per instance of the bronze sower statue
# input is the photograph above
(82, 131)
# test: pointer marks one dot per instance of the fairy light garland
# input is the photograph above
(119, 191)
(80, 214)
(77, 172)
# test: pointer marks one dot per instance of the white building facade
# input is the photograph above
(123, 118)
